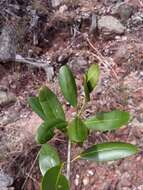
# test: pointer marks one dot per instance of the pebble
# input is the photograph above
(6, 98)
(109, 27)
(63, 8)
(85, 181)
(5, 180)
(123, 11)
(7, 44)
(76, 182)
(140, 187)
(56, 3)
(77, 176)
(90, 172)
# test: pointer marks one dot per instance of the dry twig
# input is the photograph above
(101, 58)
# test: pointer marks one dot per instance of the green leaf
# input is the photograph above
(50, 104)
(61, 125)
(53, 180)
(68, 85)
(48, 158)
(77, 130)
(109, 151)
(93, 77)
(45, 131)
(86, 90)
(36, 106)
(108, 121)
(44, 134)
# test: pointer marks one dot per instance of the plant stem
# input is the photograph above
(68, 159)
(82, 107)
(76, 158)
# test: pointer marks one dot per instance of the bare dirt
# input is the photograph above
(120, 58)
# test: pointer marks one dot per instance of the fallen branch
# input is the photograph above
(31, 61)
(37, 63)
(68, 159)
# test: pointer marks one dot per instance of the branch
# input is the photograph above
(82, 107)
(40, 64)
(68, 159)
(37, 63)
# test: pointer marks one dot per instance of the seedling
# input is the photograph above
(48, 107)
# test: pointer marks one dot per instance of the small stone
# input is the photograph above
(76, 182)
(6, 98)
(56, 3)
(109, 27)
(124, 38)
(63, 8)
(12, 117)
(124, 11)
(77, 176)
(140, 187)
(85, 181)
(5, 180)
(118, 172)
(118, 37)
(90, 172)
(7, 44)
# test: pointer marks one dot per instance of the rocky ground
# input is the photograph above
(50, 34)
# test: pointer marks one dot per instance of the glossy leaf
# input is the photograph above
(68, 85)
(77, 130)
(86, 90)
(92, 77)
(50, 104)
(36, 107)
(108, 121)
(61, 125)
(48, 158)
(109, 151)
(44, 134)
(54, 180)
(45, 131)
